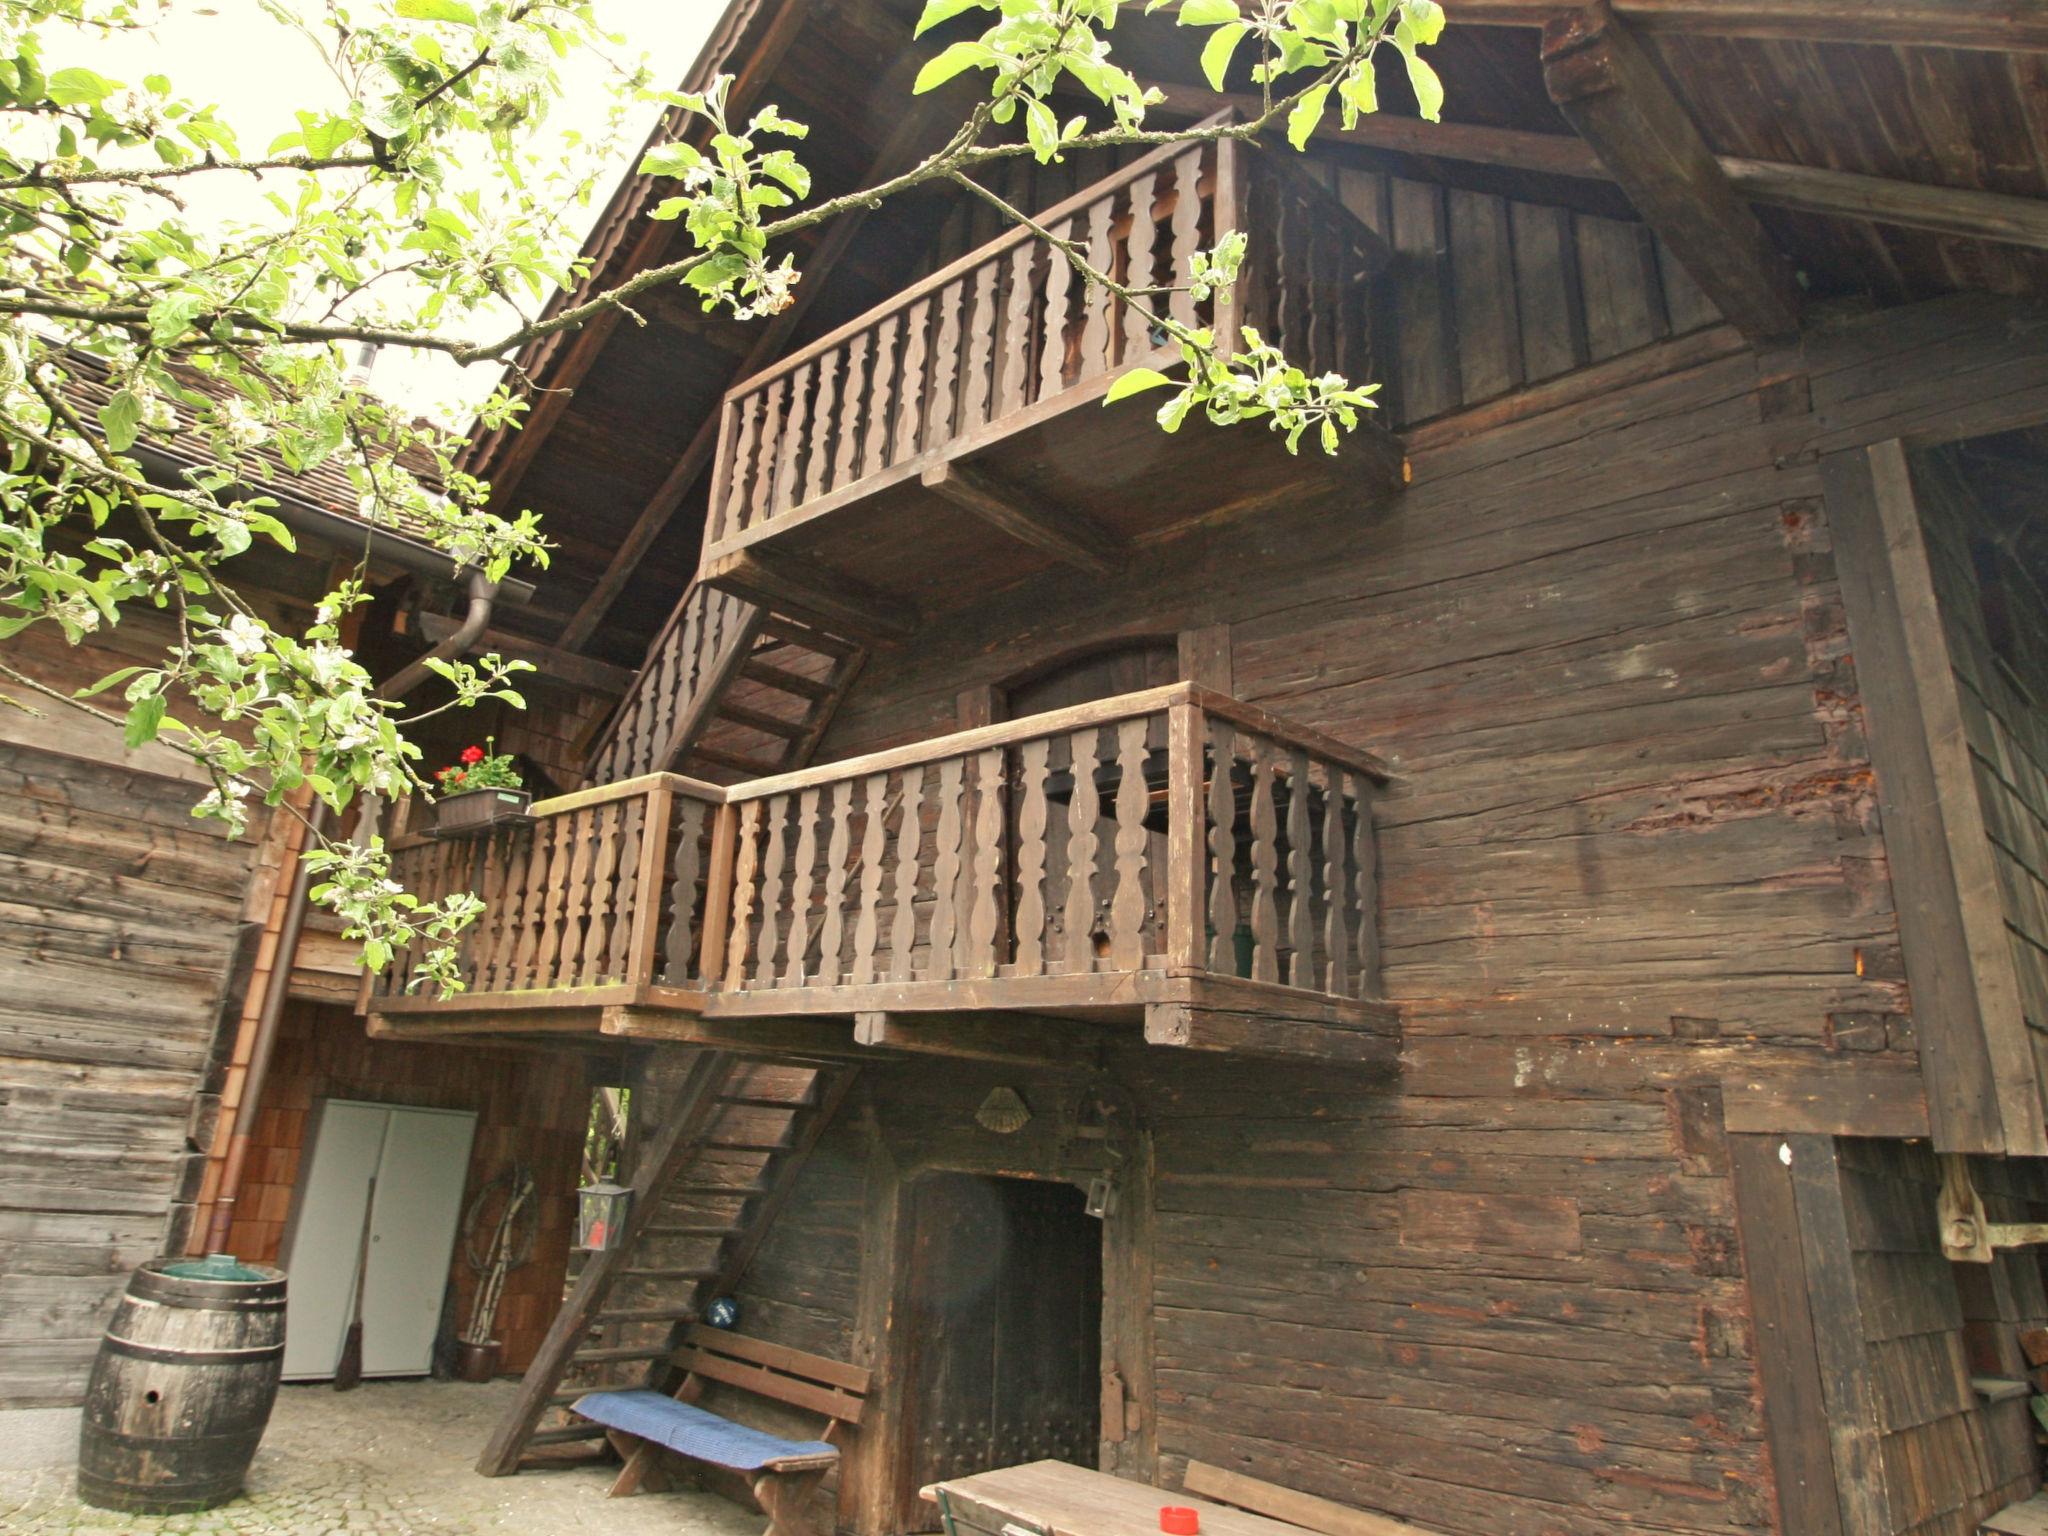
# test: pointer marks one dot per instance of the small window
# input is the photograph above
(1129, 666)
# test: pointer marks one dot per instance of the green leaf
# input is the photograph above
(938, 11)
(1207, 13)
(1042, 129)
(79, 88)
(1132, 381)
(436, 10)
(1308, 111)
(121, 418)
(938, 71)
(145, 719)
(1429, 91)
(108, 681)
(1216, 53)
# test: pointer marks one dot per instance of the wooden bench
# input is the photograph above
(643, 1424)
(1289, 1504)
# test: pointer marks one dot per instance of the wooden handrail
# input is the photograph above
(1280, 729)
(626, 789)
(1093, 193)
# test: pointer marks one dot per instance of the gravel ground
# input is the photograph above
(389, 1457)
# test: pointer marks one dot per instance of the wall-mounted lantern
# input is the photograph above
(601, 1215)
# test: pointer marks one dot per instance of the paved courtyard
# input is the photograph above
(388, 1459)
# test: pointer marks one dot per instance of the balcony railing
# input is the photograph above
(1008, 338)
(595, 896)
(1172, 831)
(1172, 849)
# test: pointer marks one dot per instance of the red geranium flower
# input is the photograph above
(472, 754)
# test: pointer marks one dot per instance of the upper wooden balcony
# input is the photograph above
(859, 480)
(1172, 859)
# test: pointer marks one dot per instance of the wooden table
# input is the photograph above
(1055, 1498)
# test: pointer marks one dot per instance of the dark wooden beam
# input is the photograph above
(815, 593)
(1068, 536)
(1256, 1032)
(2001, 25)
(554, 665)
(814, 1039)
(1609, 89)
(1007, 1038)
(896, 155)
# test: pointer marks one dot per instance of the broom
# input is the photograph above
(348, 1371)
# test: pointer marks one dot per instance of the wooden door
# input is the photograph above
(1003, 1328)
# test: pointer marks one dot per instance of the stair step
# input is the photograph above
(759, 768)
(566, 1433)
(743, 1102)
(804, 635)
(786, 681)
(746, 1146)
(667, 1274)
(689, 1231)
(616, 1354)
(650, 1315)
(738, 1191)
(756, 720)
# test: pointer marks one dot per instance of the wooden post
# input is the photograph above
(718, 892)
(649, 884)
(1231, 183)
(1186, 826)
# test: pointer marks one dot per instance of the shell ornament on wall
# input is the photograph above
(1003, 1112)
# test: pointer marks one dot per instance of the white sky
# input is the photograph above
(258, 74)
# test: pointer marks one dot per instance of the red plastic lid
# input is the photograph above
(1179, 1520)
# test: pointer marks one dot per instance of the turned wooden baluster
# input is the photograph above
(685, 870)
(938, 426)
(745, 875)
(846, 459)
(910, 407)
(604, 879)
(1336, 896)
(740, 496)
(832, 932)
(797, 948)
(1034, 757)
(1014, 360)
(1059, 281)
(985, 903)
(1082, 813)
(628, 897)
(1097, 311)
(946, 870)
(875, 447)
(909, 840)
(1365, 875)
(1301, 932)
(818, 461)
(873, 849)
(790, 442)
(1222, 849)
(771, 495)
(1138, 270)
(517, 968)
(561, 856)
(1127, 901)
(576, 923)
(775, 810)
(1265, 867)
(975, 387)
(1185, 232)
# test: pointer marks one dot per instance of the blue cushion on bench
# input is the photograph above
(693, 1431)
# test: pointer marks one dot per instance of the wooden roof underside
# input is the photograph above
(1950, 95)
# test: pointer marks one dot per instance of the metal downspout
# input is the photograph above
(483, 595)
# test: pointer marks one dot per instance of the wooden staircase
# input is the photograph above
(710, 1178)
(729, 691)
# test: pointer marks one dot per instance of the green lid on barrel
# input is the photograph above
(215, 1266)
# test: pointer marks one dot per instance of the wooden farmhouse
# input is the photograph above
(1493, 984)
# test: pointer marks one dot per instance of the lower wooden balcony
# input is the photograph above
(1172, 866)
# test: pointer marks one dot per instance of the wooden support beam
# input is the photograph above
(1960, 211)
(1067, 535)
(1609, 89)
(555, 665)
(814, 1039)
(2000, 25)
(816, 593)
(1007, 1038)
(1251, 1032)
(895, 156)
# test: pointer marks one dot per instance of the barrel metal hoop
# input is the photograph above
(114, 1344)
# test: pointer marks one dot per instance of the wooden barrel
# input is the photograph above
(181, 1390)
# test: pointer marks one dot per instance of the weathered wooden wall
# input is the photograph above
(1635, 894)
(122, 915)
(531, 1108)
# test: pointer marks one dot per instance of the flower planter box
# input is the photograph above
(478, 810)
